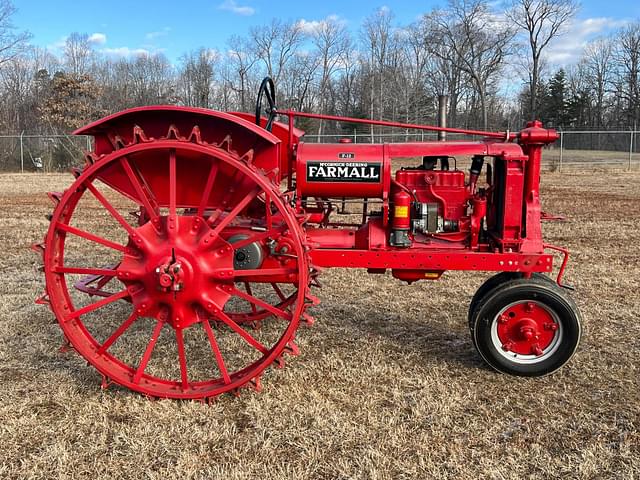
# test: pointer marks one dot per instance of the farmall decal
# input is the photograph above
(343, 172)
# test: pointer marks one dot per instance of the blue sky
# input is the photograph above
(120, 27)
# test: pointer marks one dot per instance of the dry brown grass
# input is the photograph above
(590, 158)
(387, 385)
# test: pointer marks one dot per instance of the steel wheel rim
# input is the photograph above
(83, 340)
(526, 359)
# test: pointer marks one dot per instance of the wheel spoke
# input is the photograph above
(214, 216)
(99, 304)
(110, 208)
(91, 237)
(172, 182)
(243, 333)
(102, 272)
(278, 291)
(271, 233)
(148, 351)
(268, 213)
(119, 331)
(236, 210)
(216, 352)
(264, 272)
(263, 304)
(135, 182)
(247, 287)
(213, 171)
(182, 359)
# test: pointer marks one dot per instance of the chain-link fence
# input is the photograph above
(44, 153)
(574, 149)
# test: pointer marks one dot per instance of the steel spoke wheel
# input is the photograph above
(526, 327)
(161, 319)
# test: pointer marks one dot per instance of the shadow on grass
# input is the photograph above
(426, 335)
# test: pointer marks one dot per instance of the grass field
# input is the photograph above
(387, 385)
(590, 159)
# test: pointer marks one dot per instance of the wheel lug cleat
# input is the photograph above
(507, 346)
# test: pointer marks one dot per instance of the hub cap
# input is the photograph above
(526, 332)
(179, 272)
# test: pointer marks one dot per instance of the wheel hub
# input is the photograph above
(526, 328)
(179, 271)
(171, 275)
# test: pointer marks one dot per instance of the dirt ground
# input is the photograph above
(387, 385)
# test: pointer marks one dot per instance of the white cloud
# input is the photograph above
(160, 33)
(568, 48)
(125, 52)
(58, 45)
(312, 26)
(232, 6)
(98, 38)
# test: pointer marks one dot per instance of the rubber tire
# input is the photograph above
(523, 289)
(490, 284)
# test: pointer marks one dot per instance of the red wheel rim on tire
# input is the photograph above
(526, 331)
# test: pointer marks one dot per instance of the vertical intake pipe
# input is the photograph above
(443, 100)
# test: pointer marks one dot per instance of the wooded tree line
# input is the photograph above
(467, 50)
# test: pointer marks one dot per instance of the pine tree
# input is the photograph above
(553, 109)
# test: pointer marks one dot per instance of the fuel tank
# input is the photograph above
(342, 170)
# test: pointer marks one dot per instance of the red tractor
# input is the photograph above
(234, 216)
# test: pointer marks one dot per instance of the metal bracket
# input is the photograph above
(563, 266)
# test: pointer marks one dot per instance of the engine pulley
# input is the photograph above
(248, 257)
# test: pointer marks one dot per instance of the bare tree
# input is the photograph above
(541, 21)
(378, 40)
(144, 80)
(597, 59)
(241, 60)
(276, 44)
(331, 40)
(78, 54)
(12, 43)
(471, 36)
(628, 62)
(196, 77)
(445, 75)
(298, 84)
(346, 84)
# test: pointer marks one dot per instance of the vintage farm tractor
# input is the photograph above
(188, 228)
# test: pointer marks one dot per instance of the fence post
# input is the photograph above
(630, 149)
(21, 153)
(561, 150)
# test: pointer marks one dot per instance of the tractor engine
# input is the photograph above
(438, 202)
(429, 203)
